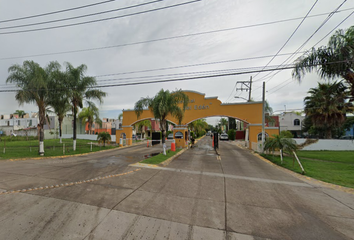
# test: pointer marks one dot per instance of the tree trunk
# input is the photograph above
(42, 119)
(41, 141)
(162, 126)
(60, 131)
(74, 130)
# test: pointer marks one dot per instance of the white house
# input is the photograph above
(290, 121)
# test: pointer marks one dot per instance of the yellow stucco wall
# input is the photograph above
(201, 107)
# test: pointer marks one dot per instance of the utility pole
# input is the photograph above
(247, 86)
(249, 94)
(263, 117)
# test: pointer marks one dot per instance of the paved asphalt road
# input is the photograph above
(199, 195)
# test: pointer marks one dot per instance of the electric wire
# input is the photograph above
(247, 71)
(100, 20)
(293, 33)
(164, 39)
(307, 40)
(81, 16)
(298, 50)
(56, 12)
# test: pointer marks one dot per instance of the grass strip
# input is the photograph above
(160, 157)
(52, 148)
(332, 172)
(333, 156)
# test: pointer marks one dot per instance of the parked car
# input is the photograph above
(224, 136)
(170, 136)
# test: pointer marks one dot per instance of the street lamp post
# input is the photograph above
(241, 98)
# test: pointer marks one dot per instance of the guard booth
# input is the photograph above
(180, 134)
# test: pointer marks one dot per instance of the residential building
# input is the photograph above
(290, 121)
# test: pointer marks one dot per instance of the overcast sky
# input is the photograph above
(119, 46)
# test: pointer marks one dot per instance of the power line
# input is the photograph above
(253, 70)
(100, 20)
(308, 39)
(55, 12)
(286, 42)
(81, 16)
(166, 38)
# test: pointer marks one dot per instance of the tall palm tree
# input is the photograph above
(163, 104)
(33, 80)
(336, 60)
(80, 89)
(327, 106)
(59, 99)
(90, 115)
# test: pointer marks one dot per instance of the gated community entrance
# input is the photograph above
(202, 107)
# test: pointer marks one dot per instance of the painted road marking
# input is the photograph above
(298, 184)
(68, 184)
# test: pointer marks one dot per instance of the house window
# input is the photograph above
(296, 122)
(18, 123)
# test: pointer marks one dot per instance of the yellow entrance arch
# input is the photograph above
(201, 107)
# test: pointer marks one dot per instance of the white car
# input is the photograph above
(224, 136)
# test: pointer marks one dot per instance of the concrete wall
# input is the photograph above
(328, 144)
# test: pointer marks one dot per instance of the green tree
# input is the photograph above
(141, 124)
(336, 60)
(224, 123)
(90, 115)
(327, 106)
(282, 143)
(163, 104)
(198, 126)
(20, 113)
(58, 99)
(80, 88)
(33, 81)
(104, 137)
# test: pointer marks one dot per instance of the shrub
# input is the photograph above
(232, 134)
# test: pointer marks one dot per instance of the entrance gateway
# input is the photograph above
(202, 107)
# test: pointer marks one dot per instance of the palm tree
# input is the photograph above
(80, 89)
(104, 136)
(336, 60)
(141, 124)
(90, 115)
(120, 116)
(198, 126)
(59, 100)
(224, 122)
(20, 113)
(284, 144)
(33, 80)
(327, 106)
(163, 104)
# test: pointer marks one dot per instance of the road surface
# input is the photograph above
(199, 195)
